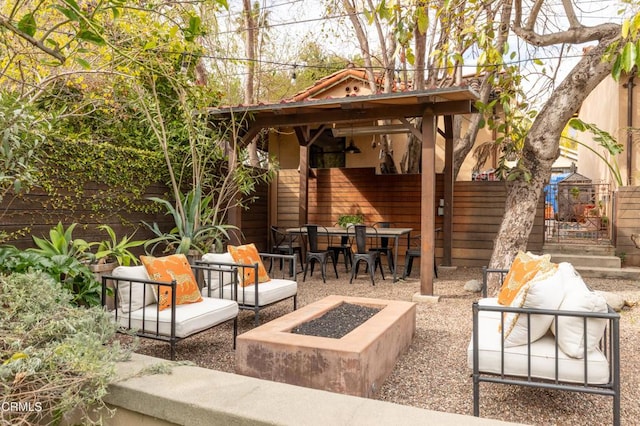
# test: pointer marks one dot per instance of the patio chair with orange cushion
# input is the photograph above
(161, 300)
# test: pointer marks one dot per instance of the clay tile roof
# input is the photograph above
(330, 81)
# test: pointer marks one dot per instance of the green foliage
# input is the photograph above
(61, 242)
(605, 140)
(73, 275)
(190, 232)
(118, 250)
(20, 137)
(349, 219)
(127, 173)
(625, 54)
(52, 354)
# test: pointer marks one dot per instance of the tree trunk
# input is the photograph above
(411, 160)
(250, 51)
(540, 151)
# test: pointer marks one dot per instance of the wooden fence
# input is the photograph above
(627, 222)
(36, 213)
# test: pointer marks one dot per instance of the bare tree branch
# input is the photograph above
(571, 14)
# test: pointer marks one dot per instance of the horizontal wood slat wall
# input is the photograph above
(287, 197)
(31, 214)
(478, 207)
(255, 222)
(28, 213)
(627, 222)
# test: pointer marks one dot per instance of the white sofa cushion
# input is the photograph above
(213, 280)
(270, 292)
(136, 292)
(571, 329)
(545, 291)
(542, 356)
(190, 318)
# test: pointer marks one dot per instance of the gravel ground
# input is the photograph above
(433, 374)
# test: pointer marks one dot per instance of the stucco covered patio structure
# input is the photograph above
(303, 116)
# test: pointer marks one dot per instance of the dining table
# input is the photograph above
(338, 231)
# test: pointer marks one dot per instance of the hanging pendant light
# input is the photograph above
(352, 148)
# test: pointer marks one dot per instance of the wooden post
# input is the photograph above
(447, 226)
(235, 213)
(303, 203)
(427, 215)
(303, 135)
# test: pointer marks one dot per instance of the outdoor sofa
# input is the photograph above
(138, 311)
(538, 339)
(245, 280)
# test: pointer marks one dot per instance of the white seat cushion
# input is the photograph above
(272, 291)
(136, 292)
(190, 318)
(542, 357)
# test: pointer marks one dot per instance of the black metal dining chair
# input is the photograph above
(284, 243)
(413, 251)
(315, 254)
(382, 245)
(344, 248)
(371, 257)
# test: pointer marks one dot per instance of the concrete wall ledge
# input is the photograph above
(198, 396)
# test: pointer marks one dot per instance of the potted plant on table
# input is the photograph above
(347, 220)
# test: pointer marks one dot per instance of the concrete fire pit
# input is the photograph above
(356, 364)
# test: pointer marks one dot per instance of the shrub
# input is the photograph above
(71, 273)
(56, 359)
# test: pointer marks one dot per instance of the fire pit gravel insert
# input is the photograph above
(337, 322)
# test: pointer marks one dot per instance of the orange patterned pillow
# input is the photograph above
(524, 267)
(248, 255)
(168, 268)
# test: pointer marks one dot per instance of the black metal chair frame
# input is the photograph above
(610, 346)
(371, 257)
(314, 254)
(413, 252)
(345, 249)
(239, 295)
(148, 332)
(284, 243)
(383, 247)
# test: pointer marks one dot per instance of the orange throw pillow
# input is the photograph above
(169, 268)
(248, 255)
(524, 267)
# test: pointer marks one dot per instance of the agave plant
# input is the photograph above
(189, 232)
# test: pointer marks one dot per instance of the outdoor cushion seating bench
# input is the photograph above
(247, 282)
(138, 311)
(539, 339)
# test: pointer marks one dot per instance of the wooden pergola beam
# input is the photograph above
(347, 115)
